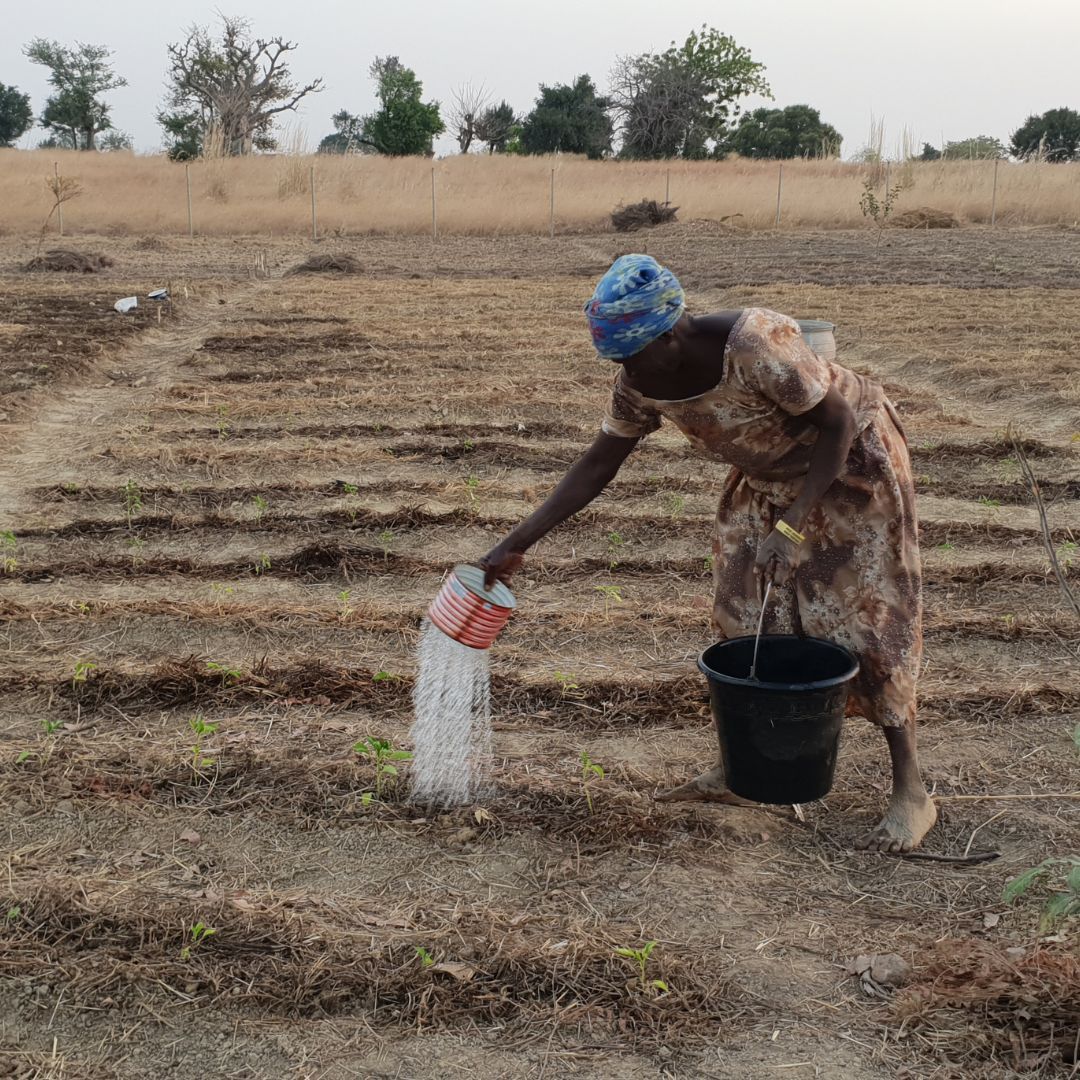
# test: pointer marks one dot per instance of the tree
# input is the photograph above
(16, 116)
(346, 134)
(570, 120)
(467, 106)
(1054, 136)
(795, 131)
(496, 127)
(403, 124)
(929, 152)
(978, 148)
(679, 103)
(115, 140)
(75, 113)
(236, 87)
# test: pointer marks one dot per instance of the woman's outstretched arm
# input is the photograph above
(586, 478)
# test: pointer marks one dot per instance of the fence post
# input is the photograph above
(59, 201)
(314, 217)
(187, 182)
(551, 221)
(434, 217)
(779, 189)
(993, 197)
(667, 188)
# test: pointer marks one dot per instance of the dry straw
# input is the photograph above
(486, 195)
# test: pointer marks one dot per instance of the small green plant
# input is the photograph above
(261, 505)
(1010, 470)
(611, 594)
(261, 564)
(197, 934)
(467, 444)
(83, 668)
(614, 543)
(14, 913)
(568, 687)
(386, 542)
(135, 546)
(676, 504)
(947, 545)
(985, 500)
(472, 485)
(365, 799)
(24, 755)
(223, 426)
(51, 727)
(1066, 553)
(200, 728)
(344, 611)
(228, 675)
(709, 563)
(385, 676)
(878, 210)
(425, 958)
(381, 753)
(350, 489)
(132, 499)
(8, 546)
(1061, 878)
(591, 771)
(641, 958)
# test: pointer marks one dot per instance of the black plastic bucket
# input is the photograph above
(779, 733)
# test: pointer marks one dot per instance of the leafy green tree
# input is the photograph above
(403, 123)
(979, 148)
(795, 131)
(346, 134)
(496, 126)
(75, 114)
(234, 86)
(929, 153)
(16, 116)
(569, 119)
(679, 103)
(1055, 136)
(115, 140)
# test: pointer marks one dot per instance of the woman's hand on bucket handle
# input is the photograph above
(501, 563)
(777, 559)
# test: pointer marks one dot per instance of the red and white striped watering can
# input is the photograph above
(469, 613)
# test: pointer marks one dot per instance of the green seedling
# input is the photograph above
(385, 676)
(14, 913)
(709, 563)
(568, 687)
(261, 564)
(228, 674)
(344, 611)
(350, 489)
(260, 504)
(198, 934)
(135, 546)
(8, 546)
(132, 499)
(1062, 878)
(472, 485)
(614, 542)
(386, 541)
(51, 727)
(878, 210)
(426, 959)
(611, 594)
(223, 426)
(1009, 469)
(468, 444)
(200, 728)
(24, 755)
(948, 545)
(1067, 553)
(985, 500)
(590, 772)
(381, 753)
(365, 799)
(676, 504)
(83, 668)
(641, 958)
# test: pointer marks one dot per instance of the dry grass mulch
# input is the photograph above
(66, 261)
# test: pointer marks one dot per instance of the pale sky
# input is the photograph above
(940, 68)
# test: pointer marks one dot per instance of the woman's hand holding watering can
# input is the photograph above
(501, 563)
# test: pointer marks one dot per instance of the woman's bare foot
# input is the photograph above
(708, 787)
(907, 820)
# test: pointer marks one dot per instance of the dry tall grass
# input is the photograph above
(476, 194)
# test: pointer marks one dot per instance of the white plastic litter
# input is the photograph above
(158, 294)
(129, 303)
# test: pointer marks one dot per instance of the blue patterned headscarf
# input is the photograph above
(635, 302)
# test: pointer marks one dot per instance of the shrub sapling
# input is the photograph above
(641, 958)
(381, 753)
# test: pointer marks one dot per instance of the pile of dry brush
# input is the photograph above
(642, 215)
(328, 264)
(69, 262)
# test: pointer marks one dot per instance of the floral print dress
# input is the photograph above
(859, 579)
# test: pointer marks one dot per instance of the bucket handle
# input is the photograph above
(760, 624)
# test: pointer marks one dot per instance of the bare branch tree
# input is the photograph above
(467, 105)
(237, 85)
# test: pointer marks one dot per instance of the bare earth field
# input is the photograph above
(234, 508)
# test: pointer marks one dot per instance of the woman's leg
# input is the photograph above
(911, 812)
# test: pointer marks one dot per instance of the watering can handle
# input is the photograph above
(760, 624)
